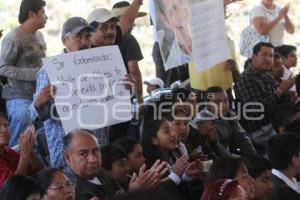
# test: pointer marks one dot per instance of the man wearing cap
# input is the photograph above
(21, 58)
(75, 36)
(131, 50)
(108, 29)
(153, 84)
(229, 132)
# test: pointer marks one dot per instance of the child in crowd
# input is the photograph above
(259, 169)
(232, 168)
(115, 163)
(160, 142)
(134, 152)
(283, 153)
(224, 189)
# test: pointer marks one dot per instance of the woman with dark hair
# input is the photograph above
(55, 185)
(20, 187)
(115, 163)
(232, 168)
(159, 142)
(12, 162)
(225, 189)
(134, 152)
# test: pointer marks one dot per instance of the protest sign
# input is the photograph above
(208, 33)
(171, 23)
(90, 93)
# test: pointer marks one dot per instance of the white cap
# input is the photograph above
(155, 81)
(101, 15)
(200, 119)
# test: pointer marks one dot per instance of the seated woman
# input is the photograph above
(12, 162)
(232, 168)
(225, 189)
(55, 185)
(134, 152)
(20, 187)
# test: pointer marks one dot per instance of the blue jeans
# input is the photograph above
(18, 118)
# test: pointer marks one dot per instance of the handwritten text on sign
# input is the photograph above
(209, 33)
(90, 93)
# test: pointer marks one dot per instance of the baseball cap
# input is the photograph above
(155, 81)
(101, 15)
(74, 25)
(121, 7)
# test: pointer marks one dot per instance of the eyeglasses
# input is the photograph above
(61, 186)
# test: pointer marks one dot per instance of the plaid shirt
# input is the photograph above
(53, 127)
(254, 87)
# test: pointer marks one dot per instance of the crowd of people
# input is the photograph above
(221, 141)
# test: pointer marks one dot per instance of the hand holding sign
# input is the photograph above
(46, 94)
(90, 92)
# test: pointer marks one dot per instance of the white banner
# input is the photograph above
(170, 18)
(90, 93)
(209, 33)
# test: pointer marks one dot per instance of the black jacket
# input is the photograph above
(85, 190)
(281, 191)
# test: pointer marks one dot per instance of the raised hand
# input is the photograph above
(129, 83)
(180, 165)
(161, 169)
(144, 180)
(26, 140)
(46, 94)
(285, 85)
(194, 169)
(284, 11)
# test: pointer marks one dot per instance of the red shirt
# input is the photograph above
(8, 164)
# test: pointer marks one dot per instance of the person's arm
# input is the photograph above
(9, 54)
(289, 26)
(239, 142)
(134, 70)
(40, 107)
(127, 19)
(232, 66)
(263, 27)
(26, 142)
(284, 86)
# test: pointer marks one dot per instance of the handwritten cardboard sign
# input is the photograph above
(90, 92)
(209, 33)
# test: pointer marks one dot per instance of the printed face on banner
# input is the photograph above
(90, 92)
(173, 32)
(191, 31)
